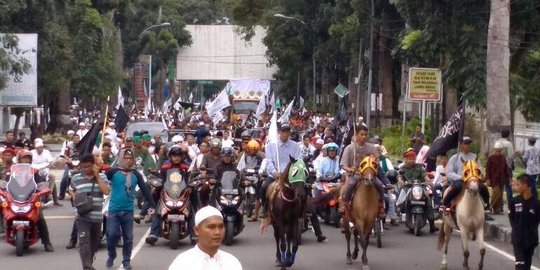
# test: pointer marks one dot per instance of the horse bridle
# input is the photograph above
(473, 192)
(364, 166)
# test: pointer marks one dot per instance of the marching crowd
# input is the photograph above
(107, 184)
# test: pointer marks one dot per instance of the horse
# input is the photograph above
(469, 216)
(286, 199)
(363, 211)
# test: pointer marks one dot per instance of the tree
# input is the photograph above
(498, 70)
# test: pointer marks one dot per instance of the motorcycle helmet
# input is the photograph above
(24, 153)
(177, 150)
(331, 146)
(227, 151)
(392, 176)
(253, 145)
(246, 135)
(215, 143)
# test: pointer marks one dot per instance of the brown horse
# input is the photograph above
(286, 199)
(363, 211)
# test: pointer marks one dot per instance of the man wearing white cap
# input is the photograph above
(210, 230)
(82, 130)
(41, 160)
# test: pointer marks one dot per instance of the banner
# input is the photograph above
(120, 99)
(448, 137)
(21, 91)
(261, 108)
(121, 120)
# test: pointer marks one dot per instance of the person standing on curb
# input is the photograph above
(524, 215)
(531, 159)
(508, 150)
(90, 181)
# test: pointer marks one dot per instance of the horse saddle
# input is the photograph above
(271, 192)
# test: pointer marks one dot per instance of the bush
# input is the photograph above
(392, 136)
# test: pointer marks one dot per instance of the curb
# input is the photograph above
(502, 233)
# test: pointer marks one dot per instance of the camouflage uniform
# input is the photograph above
(417, 172)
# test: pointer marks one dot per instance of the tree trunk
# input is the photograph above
(17, 122)
(385, 77)
(498, 64)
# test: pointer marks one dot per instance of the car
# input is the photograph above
(153, 128)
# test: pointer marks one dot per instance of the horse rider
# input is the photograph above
(454, 173)
(412, 171)
(352, 156)
(253, 159)
(277, 153)
(177, 156)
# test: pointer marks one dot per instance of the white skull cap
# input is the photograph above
(206, 212)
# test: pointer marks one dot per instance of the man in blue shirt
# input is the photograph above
(123, 177)
(276, 164)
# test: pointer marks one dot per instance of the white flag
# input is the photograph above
(273, 130)
(273, 102)
(148, 108)
(217, 117)
(285, 117)
(191, 97)
(221, 102)
(261, 108)
(301, 103)
(166, 105)
(120, 98)
(177, 105)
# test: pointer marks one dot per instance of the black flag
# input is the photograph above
(121, 119)
(86, 145)
(448, 137)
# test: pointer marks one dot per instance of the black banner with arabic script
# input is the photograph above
(448, 137)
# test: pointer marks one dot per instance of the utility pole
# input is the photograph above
(370, 74)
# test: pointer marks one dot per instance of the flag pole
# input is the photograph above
(104, 123)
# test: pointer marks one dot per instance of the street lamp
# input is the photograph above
(150, 60)
(279, 15)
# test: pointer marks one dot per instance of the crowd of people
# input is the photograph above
(117, 169)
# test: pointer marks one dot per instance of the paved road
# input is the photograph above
(401, 250)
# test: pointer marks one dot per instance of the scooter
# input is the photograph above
(229, 198)
(251, 181)
(329, 209)
(21, 205)
(173, 207)
(414, 208)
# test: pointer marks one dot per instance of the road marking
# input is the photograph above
(59, 217)
(506, 254)
(138, 247)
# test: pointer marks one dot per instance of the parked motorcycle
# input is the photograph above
(21, 205)
(229, 198)
(173, 206)
(414, 207)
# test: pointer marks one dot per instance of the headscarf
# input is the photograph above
(121, 165)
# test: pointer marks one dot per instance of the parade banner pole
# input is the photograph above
(104, 123)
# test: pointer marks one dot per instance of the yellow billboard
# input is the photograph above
(425, 84)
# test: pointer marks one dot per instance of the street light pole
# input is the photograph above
(314, 64)
(150, 60)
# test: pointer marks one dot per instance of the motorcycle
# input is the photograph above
(414, 206)
(229, 200)
(329, 209)
(173, 206)
(20, 199)
(250, 192)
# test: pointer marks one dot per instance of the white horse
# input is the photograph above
(469, 215)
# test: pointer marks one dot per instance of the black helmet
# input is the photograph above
(176, 150)
(246, 134)
(227, 151)
(392, 176)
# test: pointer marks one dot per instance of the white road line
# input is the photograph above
(506, 254)
(139, 246)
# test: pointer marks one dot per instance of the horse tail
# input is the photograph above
(442, 236)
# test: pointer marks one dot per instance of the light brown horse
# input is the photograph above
(469, 216)
(363, 211)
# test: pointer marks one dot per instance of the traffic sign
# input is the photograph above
(424, 84)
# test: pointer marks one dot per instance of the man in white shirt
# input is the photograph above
(210, 230)
(41, 160)
(227, 141)
(82, 130)
(197, 161)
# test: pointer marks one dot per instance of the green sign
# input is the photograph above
(341, 91)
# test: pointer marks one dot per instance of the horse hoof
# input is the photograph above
(355, 255)
(365, 267)
(349, 261)
(444, 266)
